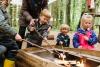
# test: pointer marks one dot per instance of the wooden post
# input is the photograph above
(98, 15)
(99, 34)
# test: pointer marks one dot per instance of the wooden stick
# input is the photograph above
(37, 45)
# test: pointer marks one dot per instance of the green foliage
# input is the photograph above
(14, 15)
(77, 7)
(63, 11)
(60, 7)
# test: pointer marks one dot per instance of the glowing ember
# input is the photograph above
(81, 63)
(62, 56)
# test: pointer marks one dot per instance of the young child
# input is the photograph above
(63, 38)
(85, 37)
(40, 29)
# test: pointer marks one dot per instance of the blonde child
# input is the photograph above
(85, 37)
(62, 37)
(40, 29)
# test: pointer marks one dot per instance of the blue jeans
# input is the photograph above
(2, 51)
(10, 45)
(7, 53)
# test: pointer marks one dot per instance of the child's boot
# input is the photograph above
(9, 63)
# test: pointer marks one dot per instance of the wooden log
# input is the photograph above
(84, 51)
(30, 60)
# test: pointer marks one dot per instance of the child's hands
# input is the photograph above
(86, 38)
(32, 22)
(80, 47)
(61, 42)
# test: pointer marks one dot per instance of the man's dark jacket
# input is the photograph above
(31, 9)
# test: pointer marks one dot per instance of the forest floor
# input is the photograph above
(53, 42)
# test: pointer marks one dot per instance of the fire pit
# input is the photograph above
(35, 57)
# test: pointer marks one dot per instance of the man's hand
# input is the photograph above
(32, 22)
(18, 37)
